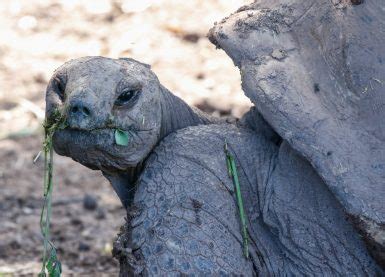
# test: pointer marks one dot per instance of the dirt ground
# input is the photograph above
(37, 36)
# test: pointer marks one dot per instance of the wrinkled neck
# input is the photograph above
(176, 114)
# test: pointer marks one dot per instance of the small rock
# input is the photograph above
(200, 76)
(76, 221)
(90, 202)
(14, 244)
(27, 210)
(84, 246)
(191, 37)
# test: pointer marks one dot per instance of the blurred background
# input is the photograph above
(36, 37)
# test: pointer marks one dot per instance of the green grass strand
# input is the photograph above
(232, 170)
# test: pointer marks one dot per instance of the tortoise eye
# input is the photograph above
(59, 87)
(127, 96)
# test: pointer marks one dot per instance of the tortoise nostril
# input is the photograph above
(357, 2)
(86, 111)
(74, 109)
(80, 109)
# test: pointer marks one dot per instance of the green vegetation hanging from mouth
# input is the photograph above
(51, 264)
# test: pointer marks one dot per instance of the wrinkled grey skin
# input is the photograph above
(301, 182)
(85, 90)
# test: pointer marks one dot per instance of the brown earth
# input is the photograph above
(38, 36)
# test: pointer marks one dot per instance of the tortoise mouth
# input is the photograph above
(107, 127)
(97, 148)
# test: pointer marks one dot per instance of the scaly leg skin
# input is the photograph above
(186, 217)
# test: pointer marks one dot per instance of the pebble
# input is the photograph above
(84, 246)
(90, 202)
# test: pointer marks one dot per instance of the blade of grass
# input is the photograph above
(232, 170)
(51, 264)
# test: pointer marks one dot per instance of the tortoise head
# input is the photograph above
(98, 96)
